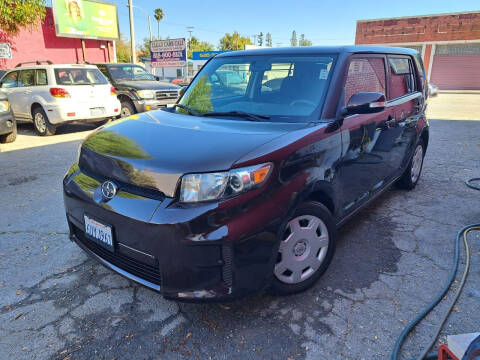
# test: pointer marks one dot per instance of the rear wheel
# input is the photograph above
(411, 175)
(8, 138)
(41, 124)
(127, 108)
(306, 249)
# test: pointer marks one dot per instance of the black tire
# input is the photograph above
(127, 108)
(408, 181)
(43, 128)
(9, 138)
(318, 210)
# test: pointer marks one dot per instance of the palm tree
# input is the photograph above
(158, 16)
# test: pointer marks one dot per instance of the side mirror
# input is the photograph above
(365, 103)
(157, 78)
(182, 91)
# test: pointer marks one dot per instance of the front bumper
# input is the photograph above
(187, 253)
(7, 123)
(148, 105)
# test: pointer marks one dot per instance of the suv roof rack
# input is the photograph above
(38, 62)
(83, 63)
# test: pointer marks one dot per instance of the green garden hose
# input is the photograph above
(410, 326)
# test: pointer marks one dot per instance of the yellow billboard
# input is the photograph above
(86, 19)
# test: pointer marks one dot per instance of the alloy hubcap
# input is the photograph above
(417, 161)
(302, 249)
(125, 111)
(40, 123)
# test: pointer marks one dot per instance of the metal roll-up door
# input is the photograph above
(456, 67)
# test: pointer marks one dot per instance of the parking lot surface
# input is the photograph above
(56, 303)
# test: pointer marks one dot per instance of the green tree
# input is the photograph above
(123, 49)
(234, 41)
(18, 14)
(159, 15)
(260, 39)
(293, 39)
(196, 45)
(268, 40)
(199, 97)
(144, 48)
(304, 42)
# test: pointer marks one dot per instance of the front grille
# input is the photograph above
(132, 266)
(163, 95)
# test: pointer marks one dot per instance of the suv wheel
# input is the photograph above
(126, 109)
(411, 175)
(8, 138)
(41, 124)
(306, 249)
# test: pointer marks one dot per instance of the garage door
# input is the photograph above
(456, 67)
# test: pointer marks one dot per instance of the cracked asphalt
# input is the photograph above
(56, 303)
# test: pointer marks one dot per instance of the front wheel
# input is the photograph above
(8, 138)
(126, 108)
(306, 249)
(411, 175)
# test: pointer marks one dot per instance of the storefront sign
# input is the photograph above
(168, 53)
(86, 19)
(5, 51)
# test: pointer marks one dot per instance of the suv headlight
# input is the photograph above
(4, 106)
(146, 94)
(221, 185)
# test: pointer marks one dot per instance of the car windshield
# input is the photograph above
(73, 76)
(130, 72)
(277, 87)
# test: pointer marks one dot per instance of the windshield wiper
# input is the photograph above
(243, 114)
(188, 109)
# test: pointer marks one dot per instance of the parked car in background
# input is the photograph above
(181, 81)
(219, 196)
(8, 125)
(51, 95)
(138, 90)
(432, 90)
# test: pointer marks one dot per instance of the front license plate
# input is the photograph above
(99, 232)
(97, 111)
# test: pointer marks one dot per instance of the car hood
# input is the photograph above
(153, 150)
(148, 85)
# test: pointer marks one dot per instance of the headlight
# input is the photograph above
(146, 94)
(220, 185)
(4, 106)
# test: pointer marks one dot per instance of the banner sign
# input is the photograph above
(205, 55)
(168, 53)
(5, 51)
(86, 19)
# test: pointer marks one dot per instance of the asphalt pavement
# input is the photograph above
(56, 303)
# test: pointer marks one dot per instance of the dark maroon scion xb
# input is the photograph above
(242, 184)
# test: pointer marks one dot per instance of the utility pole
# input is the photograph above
(132, 33)
(189, 30)
(254, 41)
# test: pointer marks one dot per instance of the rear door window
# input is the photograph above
(365, 75)
(79, 77)
(402, 78)
(41, 77)
(10, 80)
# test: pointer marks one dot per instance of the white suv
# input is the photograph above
(51, 95)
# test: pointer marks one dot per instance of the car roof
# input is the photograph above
(314, 50)
(116, 64)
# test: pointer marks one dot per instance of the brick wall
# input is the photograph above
(452, 27)
(43, 44)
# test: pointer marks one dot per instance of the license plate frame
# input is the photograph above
(97, 111)
(99, 232)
